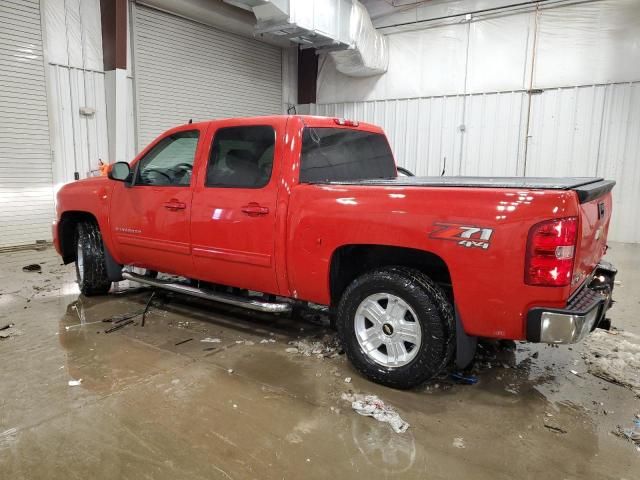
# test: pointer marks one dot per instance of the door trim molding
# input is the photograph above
(163, 245)
(235, 256)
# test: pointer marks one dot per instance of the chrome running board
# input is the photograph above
(236, 301)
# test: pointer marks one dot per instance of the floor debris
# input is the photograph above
(119, 325)
(146, 308)
(555, 429)
(614, 356)
(458, 442)
(630, 434)
(34, 267)
(8, 331)
(328, 347)
(183, 341)
(211, 340)
(7, 437)
(464, 379)
(75, 383)
(372, 406)
(347, 380)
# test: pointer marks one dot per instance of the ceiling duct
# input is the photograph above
(209, 12)
(341, 28)
(368, 52)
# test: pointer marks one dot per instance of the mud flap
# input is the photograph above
(465, 345)
(114, 269)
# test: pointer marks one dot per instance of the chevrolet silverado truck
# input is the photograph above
(268, 213)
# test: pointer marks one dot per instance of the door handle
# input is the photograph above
(254, 210)
(174, 205)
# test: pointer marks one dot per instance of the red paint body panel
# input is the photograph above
(488, 284)
(91, 195)
(145, 230)
(231, 246)
(287, 250)
(592, 237)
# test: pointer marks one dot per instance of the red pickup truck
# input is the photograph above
(271, 212)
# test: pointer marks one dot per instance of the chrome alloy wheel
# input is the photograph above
(388, 330)
(80, 260)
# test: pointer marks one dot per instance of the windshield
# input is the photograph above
(339, 154)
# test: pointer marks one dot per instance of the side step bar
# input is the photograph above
(251, 304)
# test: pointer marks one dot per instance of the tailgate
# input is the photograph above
(595, 214)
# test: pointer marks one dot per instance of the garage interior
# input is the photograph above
(481, 88)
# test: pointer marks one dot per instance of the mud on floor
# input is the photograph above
(203, 391)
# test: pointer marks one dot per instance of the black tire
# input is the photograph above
(91, 269)
(435, 316)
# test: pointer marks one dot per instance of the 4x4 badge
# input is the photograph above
(465, 235)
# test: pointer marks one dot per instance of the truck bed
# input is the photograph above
(587, 188)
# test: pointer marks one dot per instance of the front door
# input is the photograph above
(233, 219)
(150, 216)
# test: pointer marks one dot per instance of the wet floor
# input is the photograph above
(158, 402)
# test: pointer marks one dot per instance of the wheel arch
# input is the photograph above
(67, 225)
(350, 261)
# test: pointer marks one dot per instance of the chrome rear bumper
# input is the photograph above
(584, 311)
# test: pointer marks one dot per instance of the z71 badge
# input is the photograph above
(465, 235)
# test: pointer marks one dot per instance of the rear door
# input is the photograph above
(150, 217)
(233, 221)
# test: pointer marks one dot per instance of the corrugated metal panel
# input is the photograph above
(492, 140)
(185, 70)
(619, 158)
(78, 140)
(132, 148)
(25, 156)
(580, 131)
(591, 131)
(423, 132)
(564, 131)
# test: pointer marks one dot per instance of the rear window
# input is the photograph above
(338, 154)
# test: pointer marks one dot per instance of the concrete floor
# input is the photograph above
(148, 408)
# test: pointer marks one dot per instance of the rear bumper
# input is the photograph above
(584, 311)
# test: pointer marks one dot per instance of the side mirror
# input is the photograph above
(119, 171)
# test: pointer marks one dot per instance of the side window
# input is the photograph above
(241, 157)
(170, 162)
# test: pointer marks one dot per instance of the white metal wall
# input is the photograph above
(78, 141)
(579, 131)
(592, 131)
(462, 134)
(185, 70)
(75, 79)
(25, 156)
(552, 91)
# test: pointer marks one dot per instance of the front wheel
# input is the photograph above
(91, 268)
(397, 326)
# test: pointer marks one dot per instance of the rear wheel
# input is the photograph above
(397, 326)
(91, 268)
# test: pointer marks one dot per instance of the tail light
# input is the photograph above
(550, 252)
